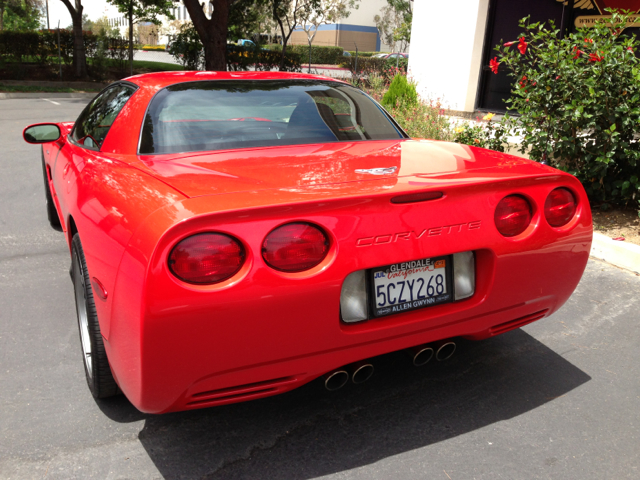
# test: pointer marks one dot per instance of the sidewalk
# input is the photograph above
(621, 254)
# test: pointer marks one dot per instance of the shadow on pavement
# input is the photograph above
(310, 432)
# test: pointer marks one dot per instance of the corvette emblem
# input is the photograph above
(377, 171)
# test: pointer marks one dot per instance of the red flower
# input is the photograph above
(577, 52)
(630, 49)
(588, 40)
(508, 44)
(594, 57)
(522, 46)
(493, 65)
(557, 77)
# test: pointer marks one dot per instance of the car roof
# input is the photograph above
(163, 79)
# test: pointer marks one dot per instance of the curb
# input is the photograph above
(621, 254)
(12, 95)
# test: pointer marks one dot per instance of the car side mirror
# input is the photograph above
(41, 133)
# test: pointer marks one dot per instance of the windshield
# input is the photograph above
(217, 115)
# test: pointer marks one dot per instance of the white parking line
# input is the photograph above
(50, 101)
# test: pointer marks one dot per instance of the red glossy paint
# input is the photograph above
(174, 345)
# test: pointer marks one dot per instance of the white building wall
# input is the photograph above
(364, 14)
(446, 50)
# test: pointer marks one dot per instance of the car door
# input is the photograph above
(86, 138)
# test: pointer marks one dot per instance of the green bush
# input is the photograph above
(187, 48)
(42, 45)
(365, 64)
(362, 54)
(319, 54)
(422, 119)
(117, 50)
(579, 103)
(239, 59)
(401, 92)
(371, 65)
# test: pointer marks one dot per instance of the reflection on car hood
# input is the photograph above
(364, 165)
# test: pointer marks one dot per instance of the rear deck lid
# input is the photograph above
(361, 165)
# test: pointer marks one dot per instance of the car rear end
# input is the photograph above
(490, 250)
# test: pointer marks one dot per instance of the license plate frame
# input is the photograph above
(403, 270)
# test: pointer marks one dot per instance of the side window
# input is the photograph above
(340, 114)
(96, 119)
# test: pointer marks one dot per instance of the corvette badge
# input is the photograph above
(377, 171)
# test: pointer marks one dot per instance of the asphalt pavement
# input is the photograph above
(557, 399)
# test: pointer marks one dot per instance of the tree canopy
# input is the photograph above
(21, 14)
(394, 24)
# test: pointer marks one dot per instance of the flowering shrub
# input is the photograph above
(423, 120)
(420, 119)
(579, 103)
(483, 133)
(381, 66)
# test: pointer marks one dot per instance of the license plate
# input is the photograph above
(406, 286)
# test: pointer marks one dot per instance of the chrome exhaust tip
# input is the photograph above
(361, 372)
(420, 355)
(445, 350)
(336, 380)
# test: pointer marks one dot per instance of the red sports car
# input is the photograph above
(237, 235)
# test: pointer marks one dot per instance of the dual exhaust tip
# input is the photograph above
(360, 372)
(422, 354)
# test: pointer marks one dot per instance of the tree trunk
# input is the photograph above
(215, 50)
(285, 39)
(130, 17)
(79, 55)
(212, 32)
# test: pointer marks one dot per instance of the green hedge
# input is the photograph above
(241, 59)
(364, 64)
(42, 47)
(362, 54)
(153, 48)
(319, 54)
(43, 44)
(369, 65)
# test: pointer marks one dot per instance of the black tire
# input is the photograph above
(52, 213)
(96, 365)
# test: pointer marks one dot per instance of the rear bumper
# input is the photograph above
(244, 350)
(257, 381)
(176, 346)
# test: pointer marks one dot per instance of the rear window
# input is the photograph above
(217, 115)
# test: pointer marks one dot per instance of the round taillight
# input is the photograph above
(295, 247)
(206, 258)
(560, 207)
(513, 215)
